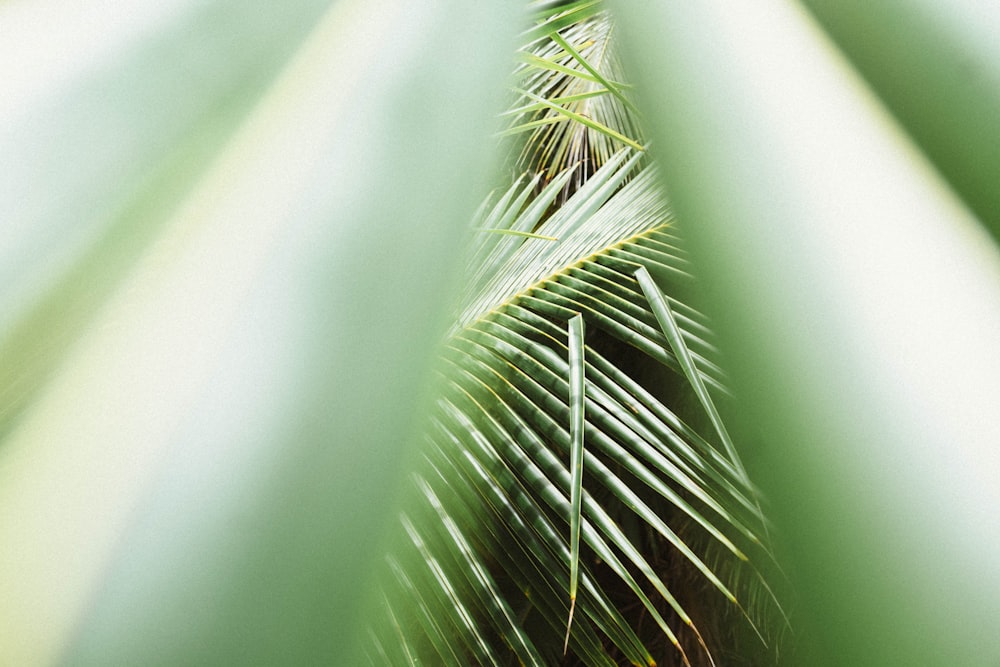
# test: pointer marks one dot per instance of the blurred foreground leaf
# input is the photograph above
(207, 474)
(860, 305)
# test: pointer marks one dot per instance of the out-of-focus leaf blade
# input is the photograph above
(937, 67)
(181, 488)
(860, 304)
(99, 141)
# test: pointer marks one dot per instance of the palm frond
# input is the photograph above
(578, 493)
(571, 106)
(498, 473)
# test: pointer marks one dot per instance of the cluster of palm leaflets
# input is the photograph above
(571, 107)
(578, 493)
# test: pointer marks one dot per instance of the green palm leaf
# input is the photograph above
(545, 498)
(571, 106)
(501, 437)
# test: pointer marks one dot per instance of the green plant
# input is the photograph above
(229, 237)
(650, 523)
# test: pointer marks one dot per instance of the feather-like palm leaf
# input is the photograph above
(647, 549)
(571, 105)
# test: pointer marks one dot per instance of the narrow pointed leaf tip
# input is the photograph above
(583, 120)
(665, 317)
(514, 232)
